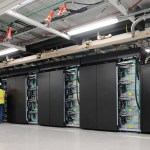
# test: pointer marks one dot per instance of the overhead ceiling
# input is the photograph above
(25, 34)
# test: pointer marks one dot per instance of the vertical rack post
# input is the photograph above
(72, 102)
(128, 96)
(32, 99)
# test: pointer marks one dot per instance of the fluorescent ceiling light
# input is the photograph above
(147, 50)
(93, 26)
(7, 51)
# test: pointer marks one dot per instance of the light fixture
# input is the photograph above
(7, 51)
(147, 50)
(93, 26)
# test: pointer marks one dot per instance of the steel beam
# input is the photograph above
(118, 39)
(117, 4)
(12, 46)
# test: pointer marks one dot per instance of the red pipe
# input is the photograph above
(62, 9)
(130, 8)
(9, 33)
(50, 16)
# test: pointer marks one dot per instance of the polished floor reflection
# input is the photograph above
(28, 137)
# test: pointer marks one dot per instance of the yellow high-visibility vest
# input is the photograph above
(2, 96)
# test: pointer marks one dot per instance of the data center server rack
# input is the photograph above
(72, 102)
(31, 99)
(128, 96)
(4, 85)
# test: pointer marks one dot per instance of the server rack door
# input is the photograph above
(57, 94)
(43, 99)
(88, 97)
(20, 100)
(145, 105)
(11, 100)
(106, 97)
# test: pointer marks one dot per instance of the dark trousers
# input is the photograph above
(1, 112)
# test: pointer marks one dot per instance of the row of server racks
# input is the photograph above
(31, 100)
(100, 97)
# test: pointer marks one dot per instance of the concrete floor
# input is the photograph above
(27, 137)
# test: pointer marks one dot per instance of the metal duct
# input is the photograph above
(145, 17)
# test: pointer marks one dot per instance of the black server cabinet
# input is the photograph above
(51, 98)
(107, 97)
(98, 97)
(145, 99)
(20, 100)
(43, 99)
(11, 100)
(16, 100)
(88, 102)
(57, 98)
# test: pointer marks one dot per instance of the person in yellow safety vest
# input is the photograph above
(2, 102)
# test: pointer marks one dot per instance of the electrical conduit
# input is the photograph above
(145, 17)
